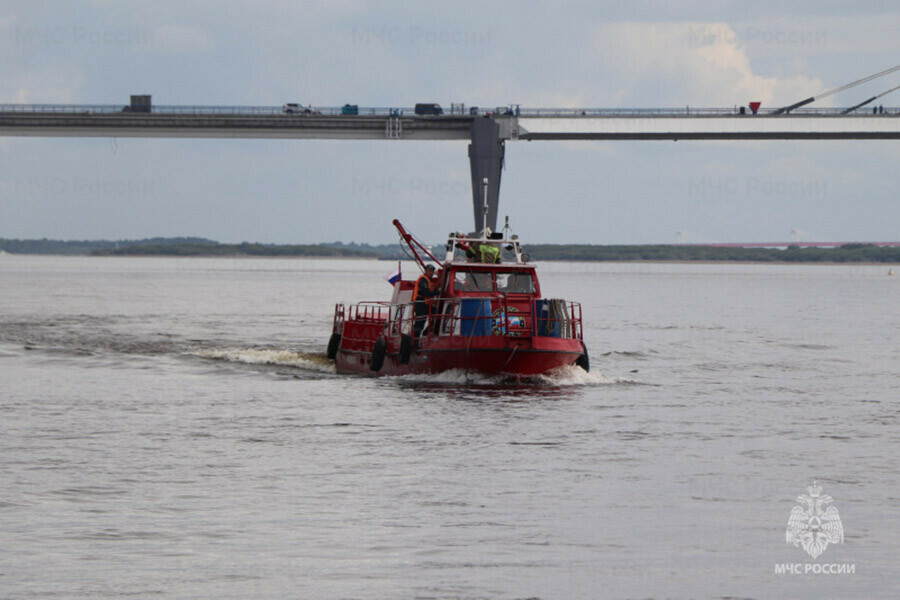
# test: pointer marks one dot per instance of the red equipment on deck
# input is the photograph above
(488, 318)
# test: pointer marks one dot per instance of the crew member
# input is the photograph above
(469, 249)
(488, 253)
(480, 252)
(426, 288)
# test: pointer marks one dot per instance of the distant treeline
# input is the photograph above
(178, 246)
(242, 249)
(190, 246)
(845, 253)
(46, 246)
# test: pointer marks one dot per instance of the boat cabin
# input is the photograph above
(466, 273)
(479, 298)
(469, 280)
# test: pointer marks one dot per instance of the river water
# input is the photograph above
(169, 428)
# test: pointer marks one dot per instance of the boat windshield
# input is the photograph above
(473, 281)
(515, 283)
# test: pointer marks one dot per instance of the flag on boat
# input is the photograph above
(394, 276)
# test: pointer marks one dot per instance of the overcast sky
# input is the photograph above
(536, 54)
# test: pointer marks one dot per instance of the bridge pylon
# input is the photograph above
(486, 161)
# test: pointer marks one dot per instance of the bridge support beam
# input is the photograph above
(486, 160)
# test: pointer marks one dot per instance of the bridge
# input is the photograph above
(487, 130)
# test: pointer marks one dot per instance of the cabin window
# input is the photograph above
(515, 283)
(472, 281)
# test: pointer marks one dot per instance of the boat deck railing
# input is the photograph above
(368, 311)
(361, 324)
(495, 315)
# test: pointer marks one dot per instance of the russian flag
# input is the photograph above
(394, 276)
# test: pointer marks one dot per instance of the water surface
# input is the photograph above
(170, 428)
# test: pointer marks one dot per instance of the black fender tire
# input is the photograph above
(334, 342)
(378, 353)
(584, 361)
(406, 345)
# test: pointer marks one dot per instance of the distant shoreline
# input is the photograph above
(547, 260)
(187, 247)
(736, 262)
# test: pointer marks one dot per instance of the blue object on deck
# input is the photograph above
(543, 325)
(475, 316)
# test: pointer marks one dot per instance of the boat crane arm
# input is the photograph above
(413, 243)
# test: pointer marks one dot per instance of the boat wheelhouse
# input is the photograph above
(489, 317)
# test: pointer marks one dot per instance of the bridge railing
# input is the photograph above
(334, 111)
(687, 111)
(82, 109)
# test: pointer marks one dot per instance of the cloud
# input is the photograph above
(698, 64)
(44, 84)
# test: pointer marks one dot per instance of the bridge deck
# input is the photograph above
(385, 123)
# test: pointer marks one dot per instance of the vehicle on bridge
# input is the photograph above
(292, 108)
(480, 316)
(429, 109)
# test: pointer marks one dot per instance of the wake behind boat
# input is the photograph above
(480, 310)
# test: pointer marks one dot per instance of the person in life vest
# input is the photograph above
(488, 254)
(480, 252)
(425, 290)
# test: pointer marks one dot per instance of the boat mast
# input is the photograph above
(484, 208)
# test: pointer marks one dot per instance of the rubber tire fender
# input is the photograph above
(378, 353)
(406, 345)
(334, 342)
(584, 361)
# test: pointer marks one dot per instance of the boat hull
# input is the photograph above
(488, 358)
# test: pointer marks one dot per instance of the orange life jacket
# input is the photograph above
(431, 286)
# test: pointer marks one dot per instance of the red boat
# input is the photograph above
(484, 317)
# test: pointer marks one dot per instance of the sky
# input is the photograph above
(640, 54)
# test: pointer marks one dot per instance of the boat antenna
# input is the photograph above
(484, 207)
(787, 109)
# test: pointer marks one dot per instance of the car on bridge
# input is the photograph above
(292, 108)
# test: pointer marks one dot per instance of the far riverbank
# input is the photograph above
(856, 253)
